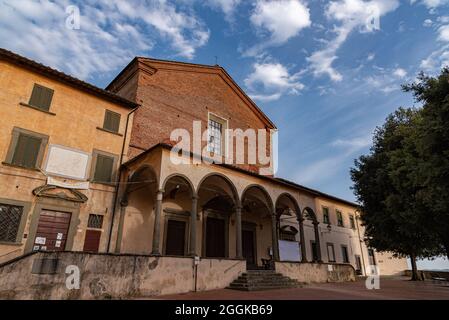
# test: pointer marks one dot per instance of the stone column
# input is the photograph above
(317, 240)
(238, 230)
(302, 240)
(157, 223)
(274, 235)
(193, 214)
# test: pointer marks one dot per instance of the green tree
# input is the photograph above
(431, 138)
(386, 190)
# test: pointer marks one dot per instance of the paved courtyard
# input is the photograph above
(390, 289)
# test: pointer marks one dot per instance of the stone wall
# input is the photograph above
(316, 272)
(104, 276)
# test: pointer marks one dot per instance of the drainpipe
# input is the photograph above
(114, 205)
(360, 243)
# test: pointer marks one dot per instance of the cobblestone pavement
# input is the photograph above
(390, 288)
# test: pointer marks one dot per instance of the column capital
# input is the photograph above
(195, 197)
(315, 223)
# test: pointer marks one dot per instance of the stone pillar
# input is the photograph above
(274, 235)
(193, 214)
(238, 230)
(157, 223)
(302, 241)
(317, 240)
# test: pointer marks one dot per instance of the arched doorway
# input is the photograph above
(259, 237)
(310, 215)
(217, 200)
(289, 217)
(178, 218)
(137, 212)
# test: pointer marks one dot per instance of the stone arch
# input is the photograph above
(310, 214)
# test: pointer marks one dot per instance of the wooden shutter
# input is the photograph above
(27, 151)
(111, 121)
(41, 97)
(103, 168)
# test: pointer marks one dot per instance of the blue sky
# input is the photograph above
(321, 70)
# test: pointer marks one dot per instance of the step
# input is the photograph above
(253, 280)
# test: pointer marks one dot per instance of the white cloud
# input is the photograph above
(273, 80)
(443, 33)
(436, 60)
(352, 15)
(427, 23)
(353, 144)
(281, 19)
(399, 73)
(431, 4)
(111, 32)
(371, 57)
(227, 6)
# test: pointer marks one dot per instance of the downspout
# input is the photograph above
(117, 186)
(360, 243)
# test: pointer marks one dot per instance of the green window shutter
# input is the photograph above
(41, 97)
(111, 121)
(103, 168)
(27, 150)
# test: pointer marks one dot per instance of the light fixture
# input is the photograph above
(329, 227)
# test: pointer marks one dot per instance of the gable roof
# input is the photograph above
(18, 60)
(219, 70)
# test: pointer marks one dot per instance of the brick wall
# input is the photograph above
(173, 95)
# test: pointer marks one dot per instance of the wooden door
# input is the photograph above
(92, 241)
(52, 230)
(215, 238)
(248, 248)
(175, 238)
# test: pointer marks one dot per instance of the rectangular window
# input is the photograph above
(326, 219)
(95, 221)
(314, 250)
(111, 121)
(104, 168)
(215, 136)
(330, 252)
(352, 221)
(26, 148)
(10, 218)
(371, 257)
(344, 254)
(339, 218)
(41, 97)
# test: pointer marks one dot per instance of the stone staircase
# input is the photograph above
(253, 280)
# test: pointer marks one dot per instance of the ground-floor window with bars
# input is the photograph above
(10, 218)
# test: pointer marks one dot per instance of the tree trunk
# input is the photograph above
(446, 245)
(415, 274)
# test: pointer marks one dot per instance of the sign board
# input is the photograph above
(289, 250)
(40, 240)
(65, 162)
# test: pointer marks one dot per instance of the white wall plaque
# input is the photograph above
(40, 240)
(68, 163)
(288, 250)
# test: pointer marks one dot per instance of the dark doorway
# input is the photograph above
(92, 241)
(248, 248)
(175, 238)
(52, 230)
(215, 238)
(314, 251)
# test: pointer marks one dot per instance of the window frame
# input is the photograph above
(347, 254)
(16, 132)
(93, 166)
(326, 215)
(36, 107)
(340, 220)
(352, 221)
(21, 229)
(224, 139)
(329, 244)
(103, 128)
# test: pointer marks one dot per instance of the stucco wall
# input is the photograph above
(114, 276)
(316, 272)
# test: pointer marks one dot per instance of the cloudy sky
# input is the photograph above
(326, 72)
